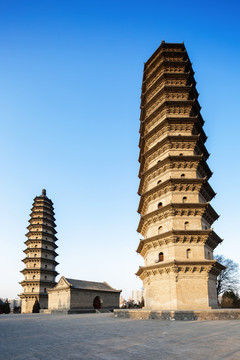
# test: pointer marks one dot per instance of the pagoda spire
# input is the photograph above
(179, 269)
(39, 272)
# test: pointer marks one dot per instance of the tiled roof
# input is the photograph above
(90, 285)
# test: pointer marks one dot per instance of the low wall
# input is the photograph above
(185, 315)
(67, 311)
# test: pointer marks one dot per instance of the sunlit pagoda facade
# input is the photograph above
(178, 241)
(39, 272)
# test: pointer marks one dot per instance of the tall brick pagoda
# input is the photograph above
(39, 273)
(176, 216)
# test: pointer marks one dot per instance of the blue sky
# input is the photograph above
(70, 86)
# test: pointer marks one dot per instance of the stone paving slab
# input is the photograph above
(105, 337)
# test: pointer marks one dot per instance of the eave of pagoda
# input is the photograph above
(161, 52)
(178, 184)
(41, 234)
(37, 282)
(204, 210)
(167, 89)
(43, 226)
(169, 55)
(167, 120)
(178, 266)
(42, 215)
(32, 295)
(168, 60)
(34, 270)
(39, 258)
(163, 65)
(171, 124)
(193, 161)
(43, 198)
(40, 250)
(43, 201)
(180, 142)
(163, 47)
(182, 138)
(167, 94)
(208, 237)
(180, 79)
(178, 65)
(187, 106)
(42, 208)
(40, 241)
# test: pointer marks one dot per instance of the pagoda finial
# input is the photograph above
(44, 193)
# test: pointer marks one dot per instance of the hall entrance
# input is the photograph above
(97, 303)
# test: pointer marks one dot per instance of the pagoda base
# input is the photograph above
(184, 315)
(28, 301)
(181, 287)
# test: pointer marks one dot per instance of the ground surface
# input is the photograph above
(102, 336)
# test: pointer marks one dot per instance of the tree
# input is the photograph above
(130, 304)
(36, 306)
(228, 280)
(230, 300)
(17, 309)
(141, 304)
(6, 307)
(1, 306)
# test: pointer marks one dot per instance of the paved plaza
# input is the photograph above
(102, 336)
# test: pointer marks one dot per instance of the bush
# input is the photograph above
(36, 307)
(230, 299)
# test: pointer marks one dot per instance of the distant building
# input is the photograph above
(122, 301)
(137, 296)
(71, 294)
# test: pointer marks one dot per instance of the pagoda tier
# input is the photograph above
(39, 273)
(153, 175)
(176, 217)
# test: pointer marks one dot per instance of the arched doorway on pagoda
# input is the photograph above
(97, 303)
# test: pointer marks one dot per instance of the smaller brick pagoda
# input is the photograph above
(39, 273)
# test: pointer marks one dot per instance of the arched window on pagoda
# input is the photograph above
(184, 199)
(161, 257)
(188, 253)
(186, 225)
(159, 182)
(182, 175)
(159, 205)
(160, 229)
(181, 154)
